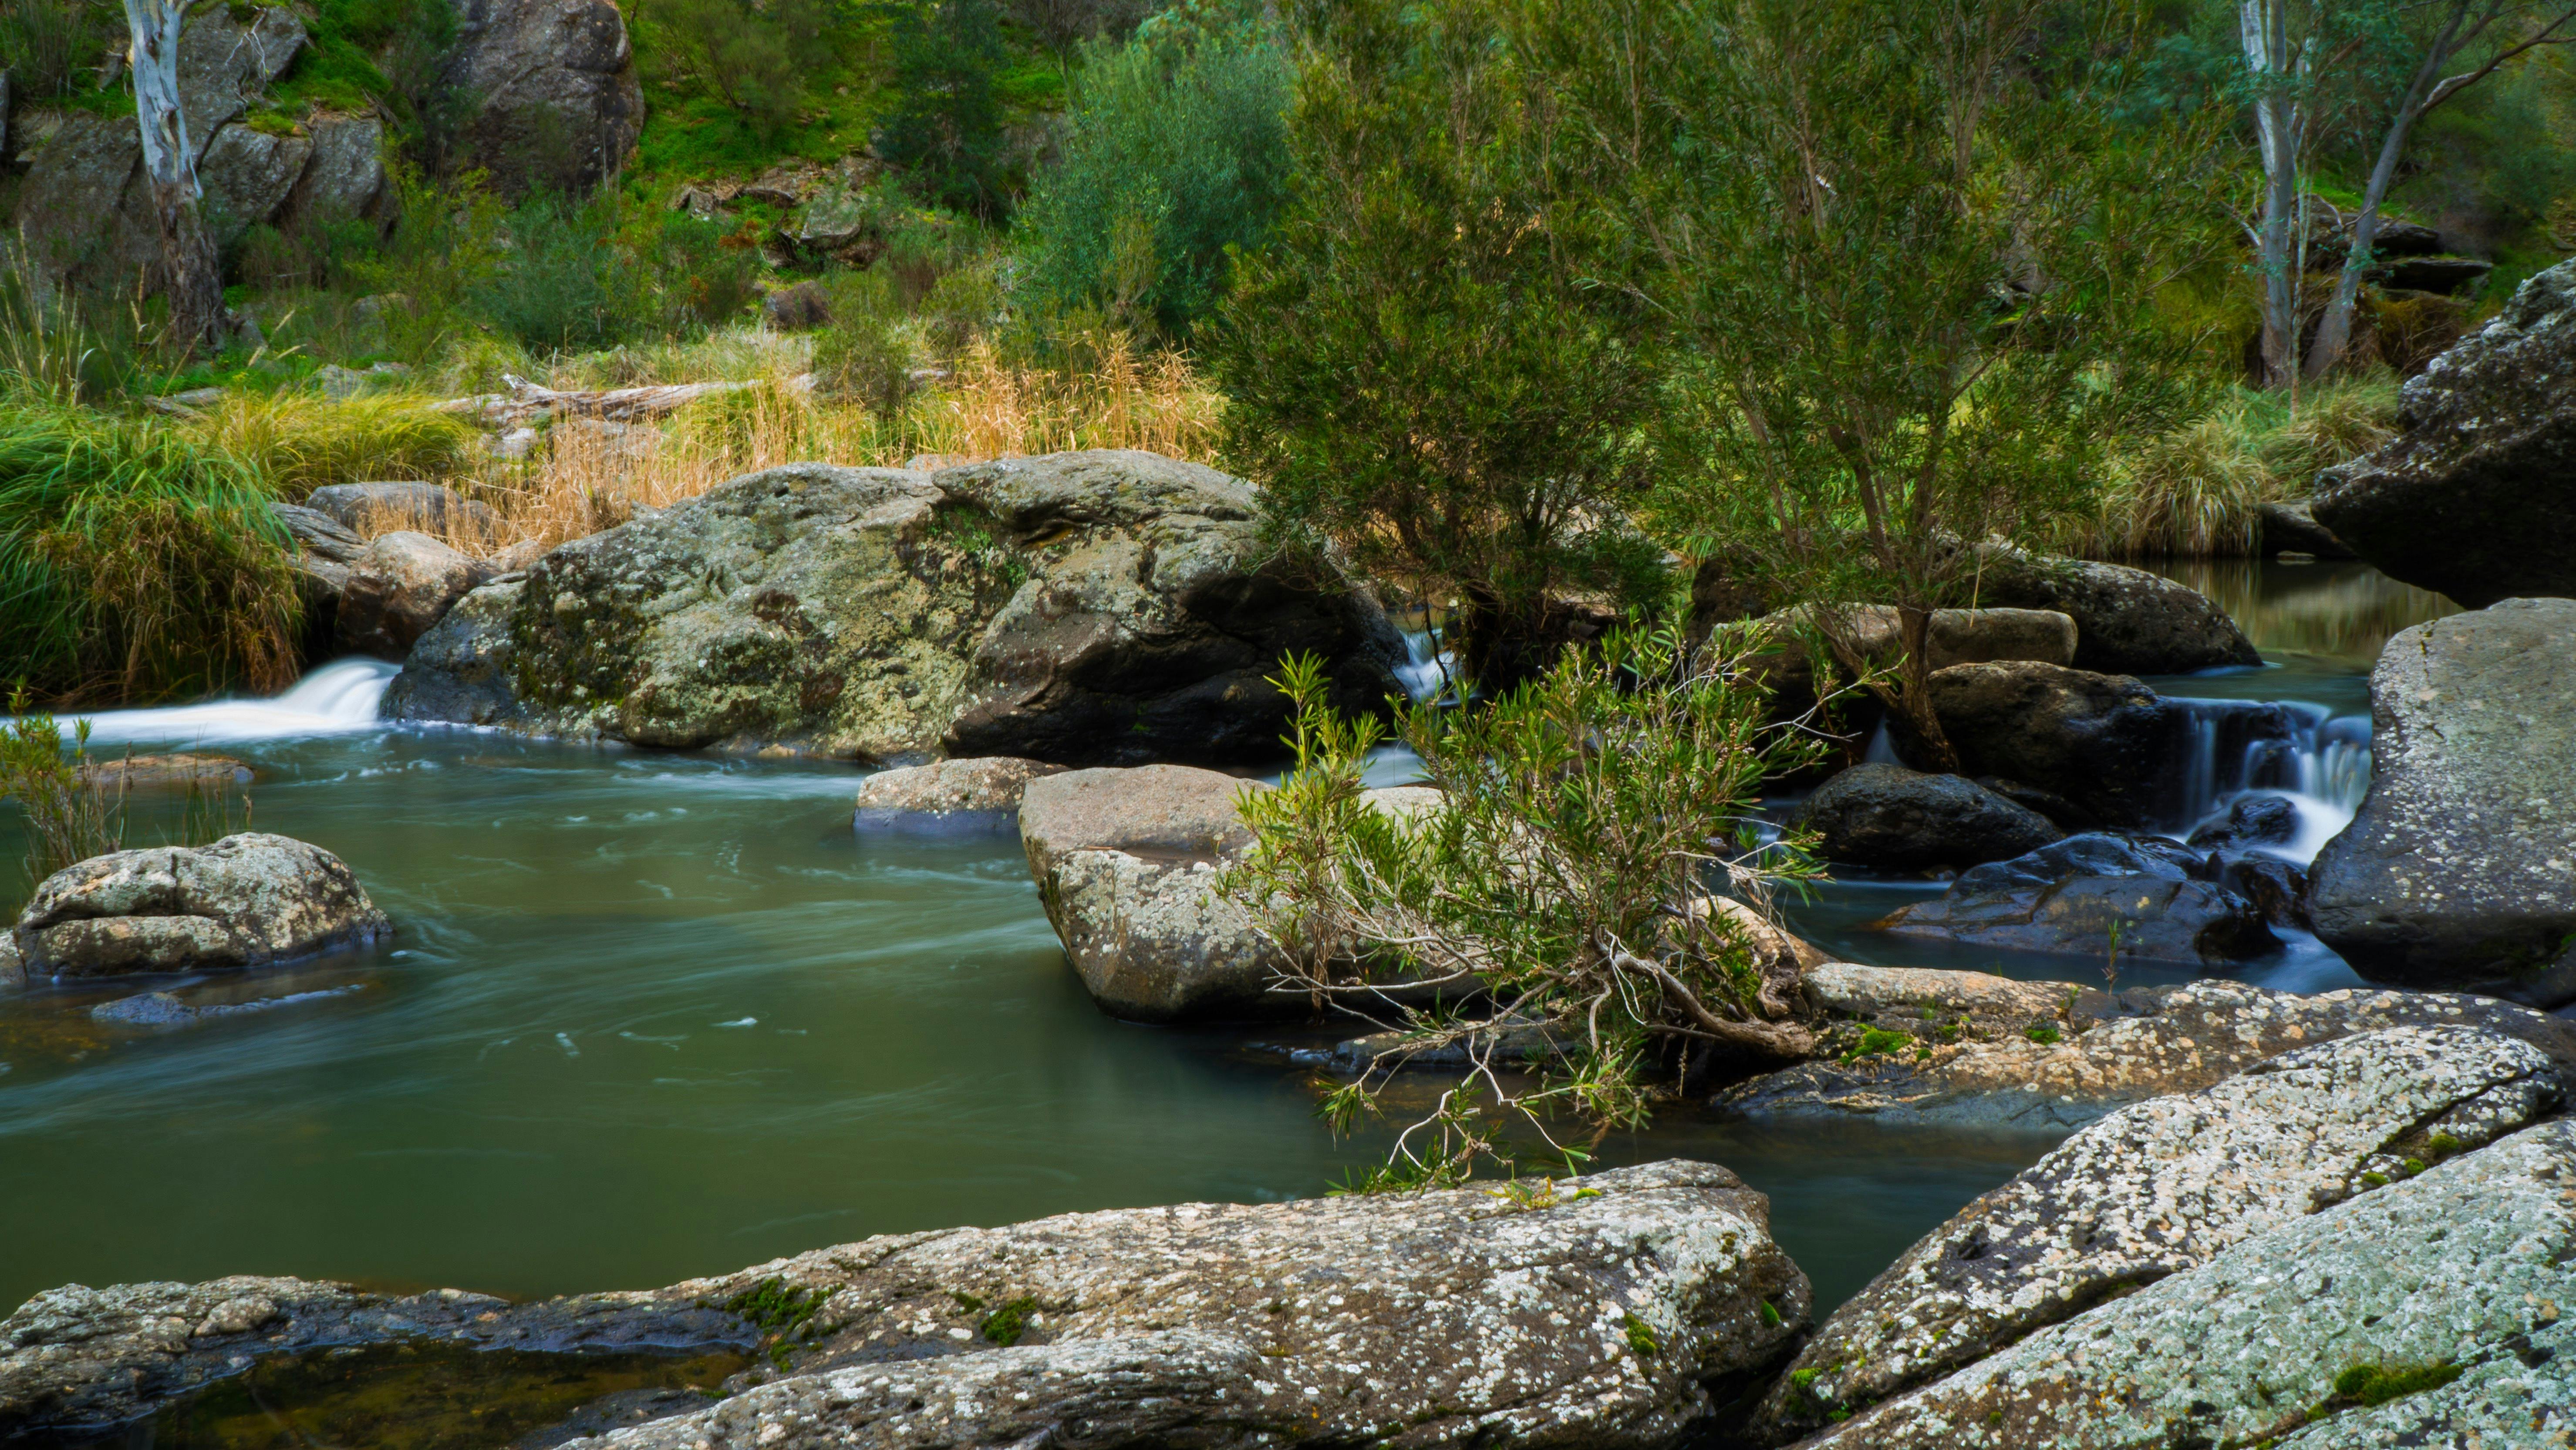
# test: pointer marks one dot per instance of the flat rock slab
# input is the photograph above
(949, 795)
(2158, 1188)
(1612, 1310)
(2468, 1269)
(1967, 1047)
(2127, 621)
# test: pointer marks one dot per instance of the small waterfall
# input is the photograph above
(1428, 668)
(338, 698)
(2319, 762)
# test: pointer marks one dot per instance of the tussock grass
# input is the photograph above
(300, 441)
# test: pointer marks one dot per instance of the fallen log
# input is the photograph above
(527, 401)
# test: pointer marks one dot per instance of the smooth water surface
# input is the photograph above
(648, 1015)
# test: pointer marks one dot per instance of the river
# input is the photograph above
(649, 1015)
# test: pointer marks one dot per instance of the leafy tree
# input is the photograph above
(1910, 256)
(1175, 151)
(946, 128)
(1060, 24)
(1419, 369)
(752, 54)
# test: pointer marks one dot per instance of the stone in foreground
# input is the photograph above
(1897, 819)
(979, 794)
(2458, 1278)
(2158, 1188)
(248, 900)
(2476, 496)
(1968, 1047)
(1614, 1310)
(2459, 871)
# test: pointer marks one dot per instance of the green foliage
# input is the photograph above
(2377, 1384)
(47, 45)
(2043, 1034)
(1005, 1325)
(1420, 369)
(1174, 153)
(753, 56)
(1641, 1337)
(945, 132)
(777, 1308)
(1877, 1041)
(68, 818)
(136, 561)
(299, 441)
(563, 286)
(2198, 488)
(868, 350)
(1565, 881)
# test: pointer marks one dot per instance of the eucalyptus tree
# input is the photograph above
(190, 278)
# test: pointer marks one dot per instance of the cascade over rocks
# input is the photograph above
(2127, 621)
(2473, 497)
(1612, 1311)
(1969, 1047)
(2465, 1268)
(1898, 819)
(2168, 903)
(1102, 607)
(2106, 745)
(2459, 870)
(2159, 1188)
(248, 900)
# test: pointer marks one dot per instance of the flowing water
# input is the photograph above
(651, 1015)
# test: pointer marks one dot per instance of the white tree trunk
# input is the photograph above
(188, 261)
(2277, 68)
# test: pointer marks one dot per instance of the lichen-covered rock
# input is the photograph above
(1082, 608)
(2157, 1188)
(1890, 817)
(2459, 870)
(2127, 621)
(1613, 1310)
(407, 503)
(2471, 498)
(2158, 901)
(982, 793)
(2452, 1283)
(464, 668)
(398, 589)
(118, 774)
(556, 102)
(247, 900)
(1914, 1045)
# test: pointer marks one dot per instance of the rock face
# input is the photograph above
(2164, 902)
(2127, 621)
(2160, 1188)
(1910, 1045)
(2460, 1273)
(1082, 608)
(402, 585)
(2293, 528)
(1126, 864)
(2456, 872)
(324, 550)
(1613, 1311)
(1902, 820)
(556, 99)
(247, 900)
(950, 795)
(2107, 745)
(2471, 498)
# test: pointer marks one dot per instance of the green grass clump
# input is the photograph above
(300, 441)
(1876, 1040)
(137, 562)
(2377, 1384)
(1005, 1325)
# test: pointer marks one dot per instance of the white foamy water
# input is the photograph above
(1427, 669)
(336, 699)
(2320, 765)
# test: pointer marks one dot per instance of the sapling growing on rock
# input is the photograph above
(1560, 898)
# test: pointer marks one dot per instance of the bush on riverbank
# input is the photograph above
(2197, 491)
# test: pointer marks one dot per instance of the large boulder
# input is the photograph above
(2096, 895)
(1615, 1310)
(2457, 872)
(403, 503)
(556, 102)
(1911, 1045)
(2157, 1189)
(2429, 1312)
(247, 900)
(979, 794)
(2127, 621)
(402, 585)
(1898, 819)
(2473, 498)
(1083, 608)
(2108, 746)
(1952, 637)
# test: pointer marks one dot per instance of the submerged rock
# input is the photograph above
(2159, 1188)
(1613, 1310)
(1888, 816)
(1081, 608)
(2127, 621)
(2471, 499)
(121, 773)
(982, 793)
(2459, 870)
(399, 589)
(247, 900)
(1914, 1045)
(2136, 898)
(2428, 1312)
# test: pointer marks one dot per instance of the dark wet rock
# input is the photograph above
(324, 550)
(2471, 498)
(2255, 820)
(169, 1009)
(2292, 528)
(2127, 621)
(1890, 817)
(1983, 1049)
(2157, 1189)
(1083, 608)
(2278, 888)
(401, 587)
(247, 900)
(122, 773)
(2108, 745)
(2065, 814)
(556, 102)
(1611, 1311)
(2459, 871)
(2072, 896)
(409, 503)
(978, 794)
(2467, 1266)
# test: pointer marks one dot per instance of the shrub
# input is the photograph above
(705, 272)
(46, 44)
(945, 132)
(1175, 151)
(68, 818)
(2198, 490)
(867, 352)
(1059, 24)
(752, 56)
(561, 286)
